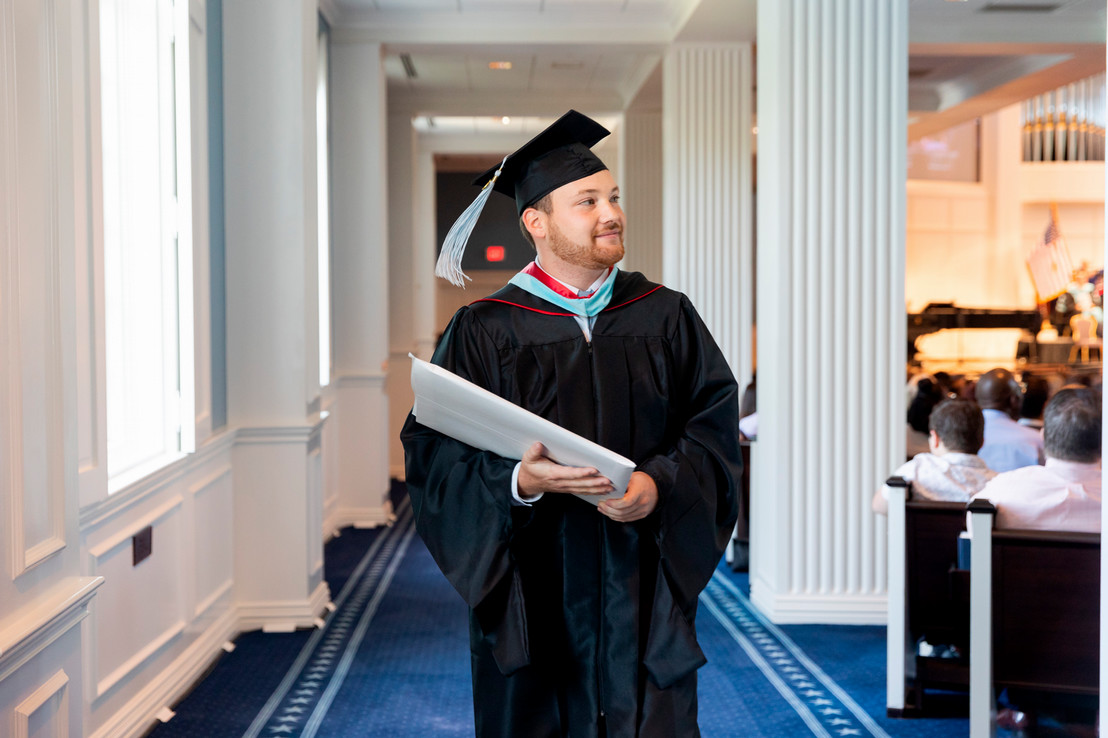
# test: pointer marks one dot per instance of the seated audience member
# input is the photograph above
(952, 470)
(1064, 494)
(1008, 445)
(926, 396)
(1035, 395)
(748, 412)
(950, 386)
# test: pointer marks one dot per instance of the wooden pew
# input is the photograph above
(1034, 614)
(924, 601)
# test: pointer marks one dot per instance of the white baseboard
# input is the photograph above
(165, 688)
(285, 615)
(812, 609)
(366, 517)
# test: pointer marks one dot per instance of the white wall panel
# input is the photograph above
(707, 173)
(212, 534)
(164, 620)
(831, 216)
(43, 697)
(371, 153)
(124, 642)
(92, 416)
(641, 192)
(269, 70)
(46, 711)
(313, 514)
(32, 168)
(363, 469)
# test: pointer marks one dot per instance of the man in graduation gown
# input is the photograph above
(581, 614)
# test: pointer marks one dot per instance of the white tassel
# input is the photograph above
(449, 265)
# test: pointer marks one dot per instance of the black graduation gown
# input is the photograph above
(579, 625)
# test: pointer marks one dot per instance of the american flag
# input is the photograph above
(1050, 263)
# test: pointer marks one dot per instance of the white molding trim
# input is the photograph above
(279, 434)
(25, 710)
(152, 483)
(46, 292)
(280, 615)
(140, 657)
(122, 536)
(169, 684)
(208, 602)
(369, 517)
(330, 11)
(360, 381)
(803, 609)
(198, 487)
(44, 621)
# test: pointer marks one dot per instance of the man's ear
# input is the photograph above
(535, 222)
(933, 439)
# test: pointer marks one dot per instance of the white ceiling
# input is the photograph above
(968, 57)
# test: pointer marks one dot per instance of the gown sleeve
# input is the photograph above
(698, 475)
(461, 497)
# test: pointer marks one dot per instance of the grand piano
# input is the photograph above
(939, 315)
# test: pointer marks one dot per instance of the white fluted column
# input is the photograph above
(361, 229)
(832, 104)
(641, 187)
(707, 167)
(269, 66)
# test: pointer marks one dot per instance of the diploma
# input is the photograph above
(460, 409)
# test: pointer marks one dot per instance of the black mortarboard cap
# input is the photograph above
(557, 156)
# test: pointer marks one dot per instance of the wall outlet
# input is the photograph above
(142, 544)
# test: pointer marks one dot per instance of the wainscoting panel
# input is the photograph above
(160, 623)
(125, 642)
(32, 155)
(213, 556)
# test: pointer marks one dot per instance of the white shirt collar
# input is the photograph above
(579, 292)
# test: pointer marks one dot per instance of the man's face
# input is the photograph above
(586, 223)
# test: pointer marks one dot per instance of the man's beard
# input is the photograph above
(585, 255)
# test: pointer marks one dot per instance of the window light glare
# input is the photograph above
(505, 119)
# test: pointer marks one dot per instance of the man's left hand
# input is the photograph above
(637, 502)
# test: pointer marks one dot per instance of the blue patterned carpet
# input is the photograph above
(393, 660)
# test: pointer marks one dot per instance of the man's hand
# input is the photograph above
(639, 501)
(539, 474)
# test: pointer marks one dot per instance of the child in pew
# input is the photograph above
(952, 470)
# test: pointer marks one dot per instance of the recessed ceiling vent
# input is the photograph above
(409, 68)
(1018, 7)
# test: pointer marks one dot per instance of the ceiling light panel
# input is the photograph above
(622, 68)
(483, 5)
(415, 4)
(515, 79)
(564, 72)
(437, 72)
(581, 4)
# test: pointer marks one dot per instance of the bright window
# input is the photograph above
(323, 215)
(147, 233)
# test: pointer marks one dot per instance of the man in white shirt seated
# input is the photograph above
(1065, 493)
(1008, 445)
(952, 470)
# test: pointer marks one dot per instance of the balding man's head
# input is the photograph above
(998, 389)
(1072, 425)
